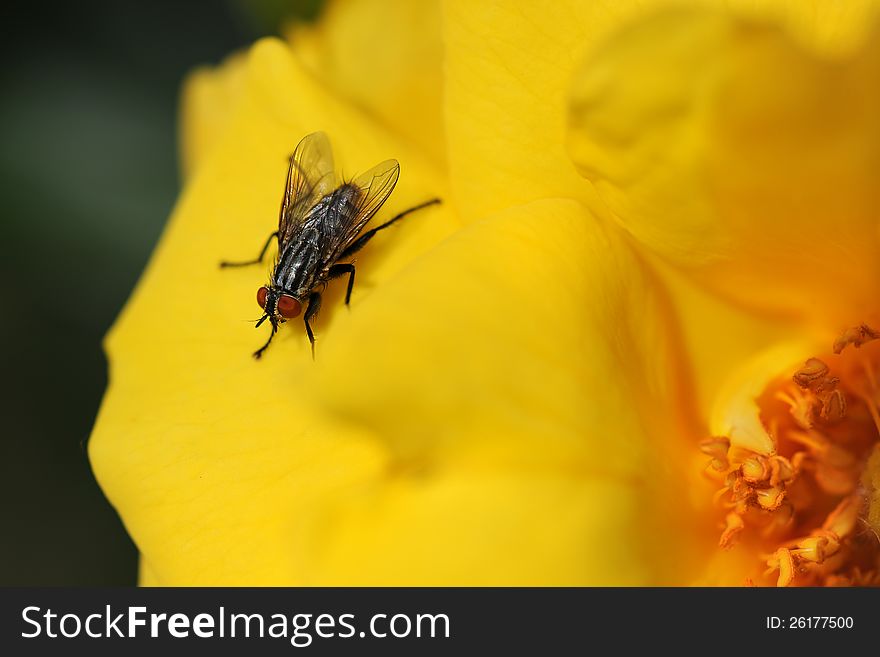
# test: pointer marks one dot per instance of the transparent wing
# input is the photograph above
(376, 186)
(310, 176)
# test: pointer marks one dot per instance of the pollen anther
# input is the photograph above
(855, 336)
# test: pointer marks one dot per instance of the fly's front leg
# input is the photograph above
(341, 270)
(314, 307)
(259, 352)
(361, 241)
(256, 261)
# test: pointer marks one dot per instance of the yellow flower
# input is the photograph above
(745, 154)
(515, 397)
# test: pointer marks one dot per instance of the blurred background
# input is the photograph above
(89, 174)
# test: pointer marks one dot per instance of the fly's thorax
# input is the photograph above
(342, 201)
(326, 219)
(346, 197)
(307, 252)
(297, 264)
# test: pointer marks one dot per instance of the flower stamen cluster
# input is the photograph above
(804, 505)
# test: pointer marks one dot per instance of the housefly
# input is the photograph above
(320, 224)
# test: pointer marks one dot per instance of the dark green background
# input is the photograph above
(88, 173)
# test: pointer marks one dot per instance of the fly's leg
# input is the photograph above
(359, 243)
(314, 307)
(259, 352)
(256, 261)
(341, 270)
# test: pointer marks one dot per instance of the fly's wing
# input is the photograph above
(375, 187)
(310, 177)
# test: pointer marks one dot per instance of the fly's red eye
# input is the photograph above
(261, 296)
(288, 307)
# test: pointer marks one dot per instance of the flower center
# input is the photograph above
(809, 506)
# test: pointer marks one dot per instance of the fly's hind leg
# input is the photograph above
(256, 261)
(341, 270)
(311, 312)
(361, 241)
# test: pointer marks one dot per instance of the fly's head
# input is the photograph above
(277, 306)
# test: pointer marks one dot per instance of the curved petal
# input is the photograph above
(507, 71)
(509, 65)
(733, 152)
(384, 56)
(827, 27)
(471, 420)
(526, 328)
(717, 338)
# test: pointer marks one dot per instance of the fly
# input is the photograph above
(320, 223)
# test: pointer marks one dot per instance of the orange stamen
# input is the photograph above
(805, 502)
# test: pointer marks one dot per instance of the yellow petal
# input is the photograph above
(717, 337)
(385, 57)
(755, 169)
(497, 407)
(183, 315)
(509, 66)
(829, 27)
(208, 102)
(535, 369)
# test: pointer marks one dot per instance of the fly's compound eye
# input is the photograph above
(261, 296)
(288, 307)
